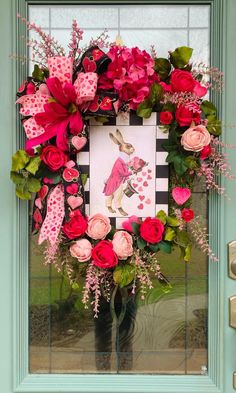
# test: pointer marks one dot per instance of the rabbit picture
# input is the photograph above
(114, 186)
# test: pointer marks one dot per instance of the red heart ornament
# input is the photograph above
(43, 192)
(94, 106)
(72, 189)
(149, 171)
(106, 104)
(70, 174)
(145, 184)
(149, 177)
(89, 65)
(97, 54)
(141, 197)
(181, 195)
(135, 185)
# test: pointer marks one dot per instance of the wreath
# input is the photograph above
(103, 80)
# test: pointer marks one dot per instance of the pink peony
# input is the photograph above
(195, 138)
(82, 250)
(98, 226)
(122, 244)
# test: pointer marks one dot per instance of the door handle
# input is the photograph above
(232, 312)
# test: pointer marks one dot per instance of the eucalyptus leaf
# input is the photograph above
(123, 275)
(19, 160)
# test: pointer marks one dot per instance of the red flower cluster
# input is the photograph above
(131, 73)
(76, 226)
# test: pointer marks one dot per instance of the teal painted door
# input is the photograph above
(14, 363)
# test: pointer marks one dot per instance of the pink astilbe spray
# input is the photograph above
(182, 98)
(76, 37)
(216, 164)
(211, 77)
(200, 236)
(102, 40)
(98, 283)
(46, 47)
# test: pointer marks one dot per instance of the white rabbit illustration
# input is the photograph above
(113, 189)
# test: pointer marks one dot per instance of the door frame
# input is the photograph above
(14, 234)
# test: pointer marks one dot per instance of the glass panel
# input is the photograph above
(167, 332)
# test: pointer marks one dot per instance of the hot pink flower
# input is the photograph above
(59, 114)
(131, 73)
(127, 224)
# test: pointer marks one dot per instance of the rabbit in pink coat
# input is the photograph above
(119, 174)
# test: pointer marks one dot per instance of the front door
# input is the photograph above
(178, 340)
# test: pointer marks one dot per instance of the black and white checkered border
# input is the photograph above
(162, 171)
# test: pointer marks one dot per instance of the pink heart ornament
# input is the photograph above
(140, 206)
(79, 142)
(74, 201)
(181, 195)
(148, 201)
(140, 189)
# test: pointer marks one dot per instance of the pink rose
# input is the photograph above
(122, 244)
(98, 226)
(195, 138)
(127, 224)
(82, 250)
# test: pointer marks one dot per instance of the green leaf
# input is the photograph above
(33, 184)
(161, 215)
(180, 56)
(22, 192)
(141, 243)
(101, 119)
(38, 73)
(123, 275)
(135, 227)
(156, 93)
(214, 126)
(84, 177)
(19, 160)
(154, 247)
(183, 239)
(179, 165)
(17, 178)
(165, 247)
(145, 109)
(191, 162)
(169, 234)
(162, 67)
(172, 221)
(172, 156)
(33, 165)
(75, 285)
(208, 108)
(187, 254)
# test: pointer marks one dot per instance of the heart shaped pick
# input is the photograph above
(181, 195)
(74, 201)
(78, 142)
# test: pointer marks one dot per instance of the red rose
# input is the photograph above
(186, 116)
(76, 226)
(103, 255)
(151, 230)
(182, 81)
(166, 117)
(205, 152)
(53, 157)
(187, 214)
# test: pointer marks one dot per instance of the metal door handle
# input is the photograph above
(232, 311)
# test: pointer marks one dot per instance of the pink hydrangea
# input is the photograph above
(130, 73)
